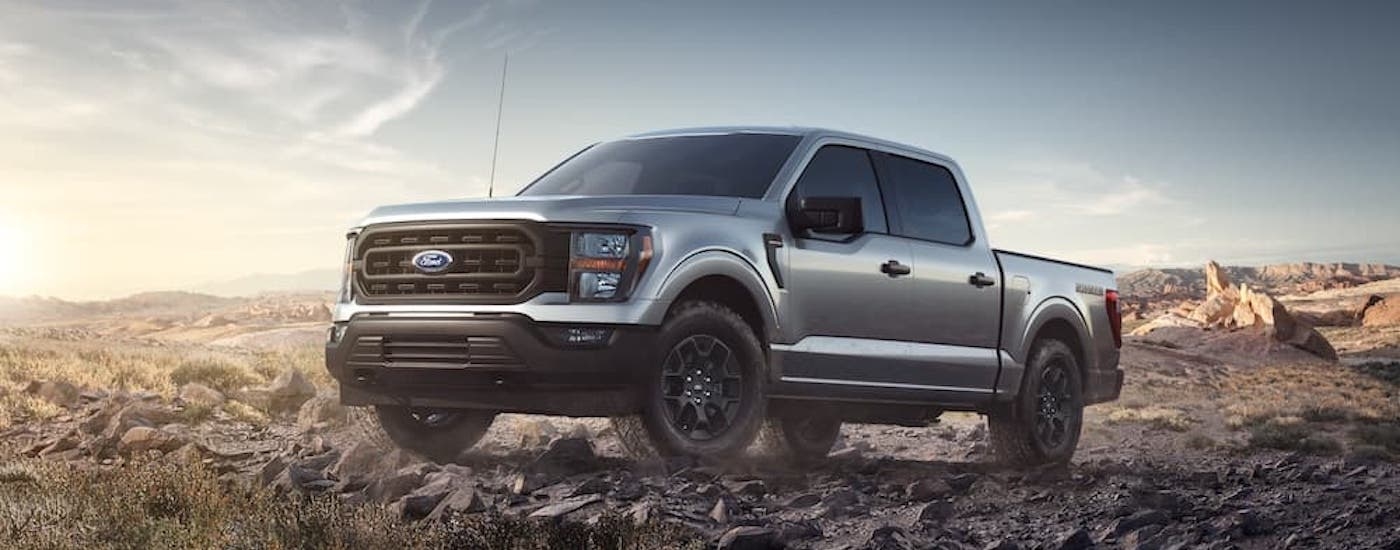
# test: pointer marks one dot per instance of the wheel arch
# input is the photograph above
(723, 277)
(1058, 319)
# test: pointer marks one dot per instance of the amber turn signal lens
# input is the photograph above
(598, 264)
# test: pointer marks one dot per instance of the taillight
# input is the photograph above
(1115, 316)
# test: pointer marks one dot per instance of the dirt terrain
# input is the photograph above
(1223, 438)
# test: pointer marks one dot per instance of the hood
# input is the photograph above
(597, 209)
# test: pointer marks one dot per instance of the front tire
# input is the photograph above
(439, 434)
(706, 399)
(1042, 425)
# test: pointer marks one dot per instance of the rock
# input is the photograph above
(464, 500)
(565, 507)
(307, 479)
(752, 489)
(592, 486)
(1075, 540)
(963, 483)
(1215, 310)
(321, 412)
(937, 511)
(1380, 311)
(747, 538)
(797, 531)
(566, 457)
(1142, 539)
(1140, 519)
(272, 469)
(425, 500)
(925, 490)
(525, 483)
(320, 462)
(62, 444)
(890, 537)
(394, 486)
(720, 512)
(59, 393)
(536, 432)
(804, 501)
(195, 393)
(358, 462)
(288, 392)
(1253, 524)
(840, 501)
(140, 439)
(1217, 281)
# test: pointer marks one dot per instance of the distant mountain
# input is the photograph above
(259, 283)
(35, 308)
(1184, 283)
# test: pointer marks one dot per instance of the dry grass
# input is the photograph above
(127, 367)
(1162, 418)
(1315, 409)
(169, 505)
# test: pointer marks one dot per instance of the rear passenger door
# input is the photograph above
(956, 286)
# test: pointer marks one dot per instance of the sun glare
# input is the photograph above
(12, 244)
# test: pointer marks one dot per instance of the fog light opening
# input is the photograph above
(585, 336)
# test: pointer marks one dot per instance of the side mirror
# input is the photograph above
(836, 215)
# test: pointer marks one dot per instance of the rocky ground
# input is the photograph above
(1214, 444)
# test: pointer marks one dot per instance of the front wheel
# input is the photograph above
(1042, 425)
(706, 398)
(439, 434)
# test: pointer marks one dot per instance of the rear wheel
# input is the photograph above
(706, 398)
(439, 434)
(1042, 425)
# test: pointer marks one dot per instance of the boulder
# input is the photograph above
(536, 432)
(464, 500)
(195, 393)
(747, 538)
(1383, 313)
(59, 393)
(322, 411)
(141, 439)
(289, 391)
(566, 457)
(565, 507)
(1217, 282)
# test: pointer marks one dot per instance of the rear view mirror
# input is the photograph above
(838, 215)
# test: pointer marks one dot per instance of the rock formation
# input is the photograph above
(1243, 307)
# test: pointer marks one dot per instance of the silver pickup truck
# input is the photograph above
(709, 287)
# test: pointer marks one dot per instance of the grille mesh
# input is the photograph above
(491, 262)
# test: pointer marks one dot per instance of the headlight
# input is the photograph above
(348, 271)
(604, 265)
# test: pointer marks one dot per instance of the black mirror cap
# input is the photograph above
(833, 215)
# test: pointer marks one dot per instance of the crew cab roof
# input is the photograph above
(803, 131)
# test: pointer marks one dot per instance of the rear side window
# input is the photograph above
(927, 199)
(838, 171)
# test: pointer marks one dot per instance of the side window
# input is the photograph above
(838, 171)
(930, 206)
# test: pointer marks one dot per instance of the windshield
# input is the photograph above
(730, 165)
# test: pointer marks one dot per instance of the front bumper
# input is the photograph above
(504, 362)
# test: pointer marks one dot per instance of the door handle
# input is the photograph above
(895, 269)
(980, 280)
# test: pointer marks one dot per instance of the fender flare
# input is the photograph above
(1057, 308)
(713, 262)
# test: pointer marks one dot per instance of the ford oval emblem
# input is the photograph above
(432, 261)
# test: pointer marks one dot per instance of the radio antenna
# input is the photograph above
(496, 143)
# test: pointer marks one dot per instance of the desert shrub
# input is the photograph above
(1388, 372)
(1325, 413)
(195, 413)
(1385, 435)
(1291, 434)
(1199, 441)
(244, 412)
(1370, 452)
(219, 374)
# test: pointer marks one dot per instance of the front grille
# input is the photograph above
(492, 262)
(434, 352)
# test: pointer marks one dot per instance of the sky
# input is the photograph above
(164, 145)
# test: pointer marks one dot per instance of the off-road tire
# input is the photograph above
(441, 443)
(633, 435)
(1013, 427)
(709, 320)
(801, 440)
